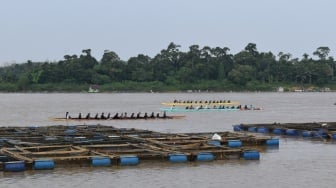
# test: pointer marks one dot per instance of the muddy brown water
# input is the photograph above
(297, 162)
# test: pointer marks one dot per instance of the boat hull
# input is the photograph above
(203, 103)
(198, 110)
(206, 110)
(116, 119)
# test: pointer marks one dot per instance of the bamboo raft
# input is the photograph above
(98, 145)
(325, 131)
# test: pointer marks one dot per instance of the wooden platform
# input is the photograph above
(81, 143)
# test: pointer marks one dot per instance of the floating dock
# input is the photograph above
(46, 147)
(325, 131)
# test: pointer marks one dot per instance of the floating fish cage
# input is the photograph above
(317, 130)
(46, 148)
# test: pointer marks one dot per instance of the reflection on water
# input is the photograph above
(297, 162)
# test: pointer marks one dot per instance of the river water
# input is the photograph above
(296, 163)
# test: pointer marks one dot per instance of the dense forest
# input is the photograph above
(210, 69)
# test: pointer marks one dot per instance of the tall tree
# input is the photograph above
(322, 52)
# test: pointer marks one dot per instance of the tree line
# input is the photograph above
(203, 68)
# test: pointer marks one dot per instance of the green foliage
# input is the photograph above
(242, 74)
(8, 87)
(211, 69)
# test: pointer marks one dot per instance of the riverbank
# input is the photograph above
(156, 86)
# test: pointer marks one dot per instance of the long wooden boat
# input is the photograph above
(198, 110)
(119, 118)
(207, 109)
(204, 103)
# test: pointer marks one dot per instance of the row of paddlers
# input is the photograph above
(97, 145)
(319, 130)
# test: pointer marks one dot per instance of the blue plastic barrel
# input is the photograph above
(320, 134)
(306, 134)
(100, 161)
(129, 160)
(237, 128)
(44, 164)
(15, 166)
(252, 129)
(272, 142)
(334, 136)
(251, 155)
(277, 131)
(292, 132)
(234, 143)
(205, 156)
(214, 142)
(177, 158)
(262, 130)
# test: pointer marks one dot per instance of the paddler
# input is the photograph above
(67, 116)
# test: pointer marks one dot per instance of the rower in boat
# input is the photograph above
(239, 107)
(157, 115)
(80, 115)
(96, 116)
(132, 116)
(102, 116)
(108, 116)
(67, 115)
(152, 115)
(199, 107)
(138, 115)
(116, 116)
(146, 115)
(87, 116)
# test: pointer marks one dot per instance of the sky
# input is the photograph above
(46, 30)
